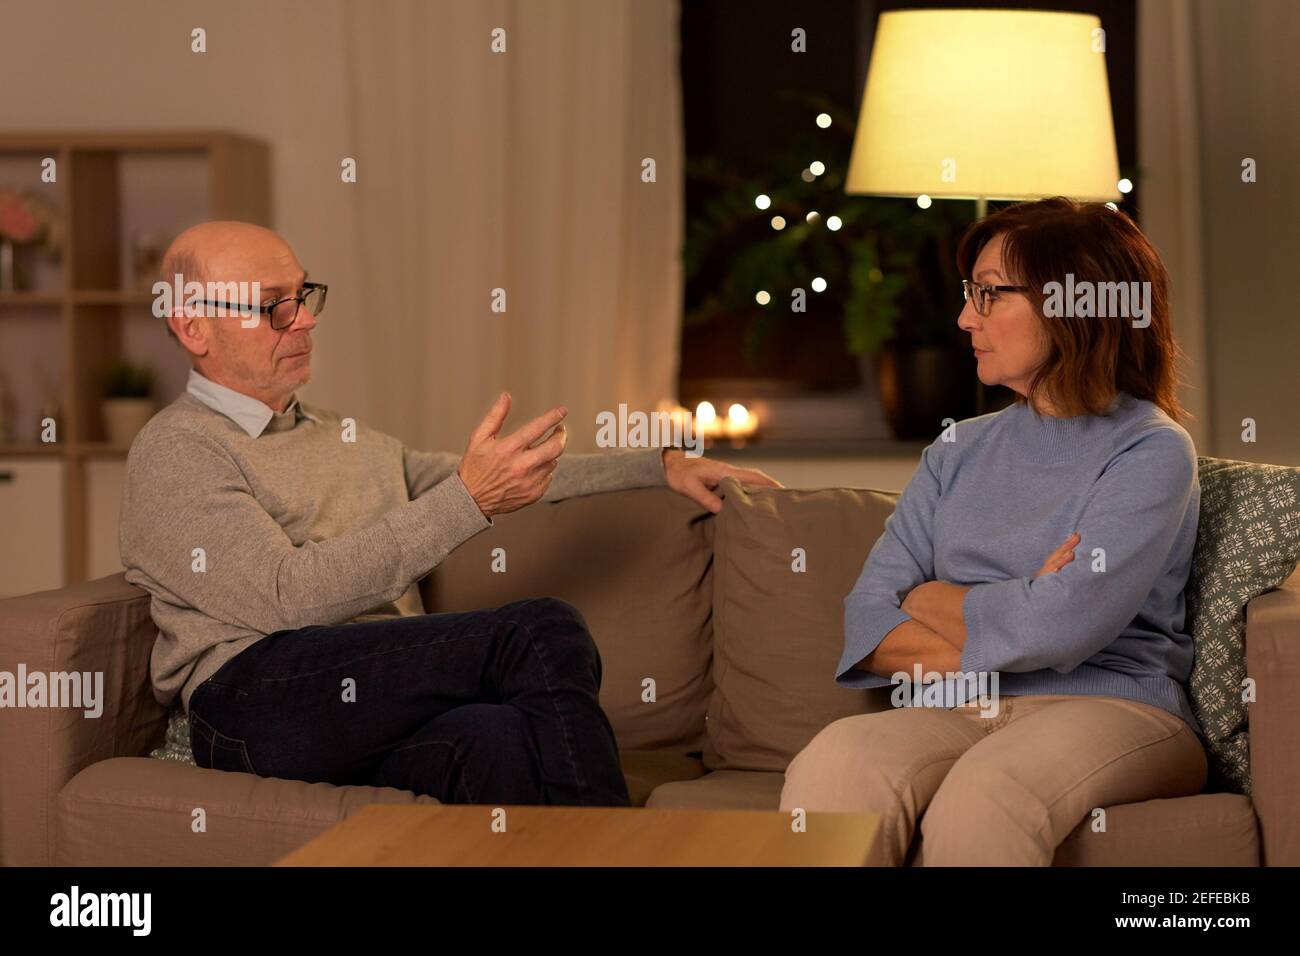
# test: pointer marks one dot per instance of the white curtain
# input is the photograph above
(1218, 86)
(1169, 153)
(518, 170)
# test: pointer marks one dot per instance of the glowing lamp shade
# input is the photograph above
(986, 104)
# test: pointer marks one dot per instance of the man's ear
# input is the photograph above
(190, 332)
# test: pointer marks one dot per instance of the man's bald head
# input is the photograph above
(227, 245)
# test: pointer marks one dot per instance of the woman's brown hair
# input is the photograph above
(1089, 358)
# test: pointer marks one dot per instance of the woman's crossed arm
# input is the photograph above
(936, 633)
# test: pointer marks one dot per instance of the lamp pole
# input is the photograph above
(981, 210)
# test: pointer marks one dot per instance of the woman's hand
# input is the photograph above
(1060, 557)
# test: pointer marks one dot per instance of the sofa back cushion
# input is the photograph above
(1247, 542)
(637, 565)
(783, 562)
(101, 627)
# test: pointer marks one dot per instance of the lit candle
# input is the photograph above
(740, 422)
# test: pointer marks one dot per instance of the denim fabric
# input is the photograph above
(495, 706)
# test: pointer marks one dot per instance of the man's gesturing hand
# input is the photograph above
(505, 474)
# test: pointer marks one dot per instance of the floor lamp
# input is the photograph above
(985, 104)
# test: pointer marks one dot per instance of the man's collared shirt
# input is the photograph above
(247, 412)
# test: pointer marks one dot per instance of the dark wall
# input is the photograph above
(736, 61)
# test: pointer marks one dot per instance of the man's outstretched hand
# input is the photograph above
(697, 477)
(505, 474)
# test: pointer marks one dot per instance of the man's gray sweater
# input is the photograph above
(237, 537)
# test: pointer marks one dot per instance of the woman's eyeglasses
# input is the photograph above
(983, 295)
(282, 312)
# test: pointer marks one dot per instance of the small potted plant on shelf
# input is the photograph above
(128, 404)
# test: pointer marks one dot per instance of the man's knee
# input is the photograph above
(495, 745)
(559, 625)
(550, 610)
(491, 729)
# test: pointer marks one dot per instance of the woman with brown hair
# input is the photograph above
(975, 581)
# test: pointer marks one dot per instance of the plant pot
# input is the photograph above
(920, 387)
(124, 417)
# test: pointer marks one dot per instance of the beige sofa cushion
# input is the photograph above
(1212, 829)
(646, 770)
(1205, 830)
(721, 790)
(136, 811)
(778, 633)
(637, 565)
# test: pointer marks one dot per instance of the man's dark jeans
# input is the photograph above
(497, 706)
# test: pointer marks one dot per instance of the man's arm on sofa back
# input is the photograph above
(103, 628)
(1273, 662)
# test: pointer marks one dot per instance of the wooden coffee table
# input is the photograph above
(385, 835)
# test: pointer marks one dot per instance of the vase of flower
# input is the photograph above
(8, 266)
(26, 219)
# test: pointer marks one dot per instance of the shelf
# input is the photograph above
(31, 449)
(85, 449)
(111, 297)
(167, 141)
(100, 449)
(16, 299)
(114, 188)
(77, 296)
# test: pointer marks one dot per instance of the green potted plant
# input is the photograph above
(889, 271)
(128, 401)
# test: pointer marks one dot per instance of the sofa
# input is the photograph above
(718, 636)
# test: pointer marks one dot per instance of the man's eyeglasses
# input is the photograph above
(983, 295)
(282, 312)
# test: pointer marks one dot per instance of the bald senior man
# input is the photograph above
(283, 564)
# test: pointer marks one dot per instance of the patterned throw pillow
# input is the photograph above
(1247, 542)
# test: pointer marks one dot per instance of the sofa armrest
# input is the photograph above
(102, 627)
(1273, 662)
